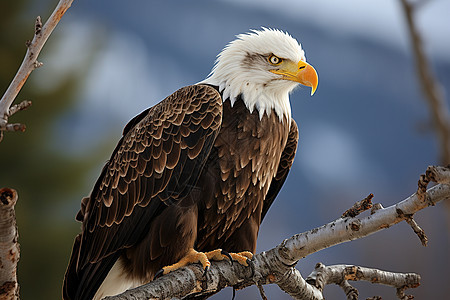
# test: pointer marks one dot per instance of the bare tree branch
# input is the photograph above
(417, 230)
(276, 265)
(9, 247)
(341, 274)
(29, 63)
(431, 87)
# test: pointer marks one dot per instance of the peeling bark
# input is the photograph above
(9, 247)
(341, 274)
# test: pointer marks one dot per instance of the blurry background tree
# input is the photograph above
(362, 132)
(45, 178)
(432, 89)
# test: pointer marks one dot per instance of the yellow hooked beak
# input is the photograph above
(302, 73)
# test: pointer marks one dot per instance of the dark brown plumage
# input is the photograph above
(244, 160)
(177, 163)
(194, 171)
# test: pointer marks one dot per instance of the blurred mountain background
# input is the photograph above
(366, 130)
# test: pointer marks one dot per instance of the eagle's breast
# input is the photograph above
(245, 157)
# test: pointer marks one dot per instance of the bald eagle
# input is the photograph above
(192, 177)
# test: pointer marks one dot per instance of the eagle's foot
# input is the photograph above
(191, 257)
(241, 257)
(204, 259)
(218, 255)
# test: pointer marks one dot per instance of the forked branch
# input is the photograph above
(277, 265)
(342, 274)
(29, 63)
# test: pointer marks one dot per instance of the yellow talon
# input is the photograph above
(242, 257)
(191, 257)
(215, 255)
(204, 259)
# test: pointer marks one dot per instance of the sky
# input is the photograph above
(371, 19)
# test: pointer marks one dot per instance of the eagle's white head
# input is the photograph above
(263, 66)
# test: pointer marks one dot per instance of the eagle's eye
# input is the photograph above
(275, 60)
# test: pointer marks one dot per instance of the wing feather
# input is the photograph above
(156, 163)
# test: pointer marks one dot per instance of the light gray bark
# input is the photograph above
(29, 64)
(9, 247)
(276, 265)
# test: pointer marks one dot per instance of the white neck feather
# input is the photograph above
(264, 97)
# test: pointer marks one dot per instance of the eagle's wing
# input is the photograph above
(286, 160)
(156, 163)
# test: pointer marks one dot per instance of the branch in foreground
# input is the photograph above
(9, 247)
(341, 274)
(276, 265)
(29, 63)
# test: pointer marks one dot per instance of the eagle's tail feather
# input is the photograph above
(70, 278)
(82, 284)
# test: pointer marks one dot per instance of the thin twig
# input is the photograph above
(401, 294)
(359, 207)
(13, 127)
(415, 227)
(350, 291)
(438, 174)
(262, 293)
(18, 107)
(29, 63)
(417, 230)
(422, 185)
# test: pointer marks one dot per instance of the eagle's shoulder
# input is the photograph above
(155, 163)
